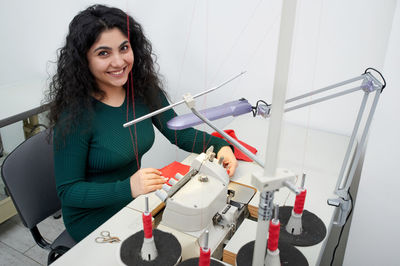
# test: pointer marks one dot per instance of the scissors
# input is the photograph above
(106, 238)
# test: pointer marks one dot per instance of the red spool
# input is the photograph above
(273, 237)
(204, 259)
(147, 225)
(299, 203)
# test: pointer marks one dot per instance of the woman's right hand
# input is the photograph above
(146, 180)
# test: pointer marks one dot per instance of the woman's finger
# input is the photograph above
(153, 188)
(232, 169)
(151, 171)
(155, 176)
(151, 182)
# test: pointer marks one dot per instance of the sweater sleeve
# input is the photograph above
(73, 188)
(190, 139)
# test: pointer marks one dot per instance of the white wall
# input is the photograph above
(199, 44)
(335, 41)
(374, 232)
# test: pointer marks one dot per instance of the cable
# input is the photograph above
(380, 74)
(254, 108)
(341, 231)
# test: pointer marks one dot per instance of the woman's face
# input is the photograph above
(110, 59)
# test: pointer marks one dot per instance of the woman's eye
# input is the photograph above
(103, 53)
(124, 48)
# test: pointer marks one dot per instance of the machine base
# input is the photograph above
(168, 248)
(195, 262)
(314, 230)
(289, 255)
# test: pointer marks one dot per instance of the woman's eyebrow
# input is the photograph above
(123, 43)
(108, 48)
(101, 48)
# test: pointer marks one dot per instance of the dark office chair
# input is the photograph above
(28, 174)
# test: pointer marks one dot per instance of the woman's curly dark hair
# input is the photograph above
(72, 87)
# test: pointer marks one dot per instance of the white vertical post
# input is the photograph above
(288, 17)
(280, 84)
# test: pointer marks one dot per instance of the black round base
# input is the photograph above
(289, 255)
(168, 248)
(195, 262)
(314, 230)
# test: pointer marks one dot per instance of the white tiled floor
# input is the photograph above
(17, 246)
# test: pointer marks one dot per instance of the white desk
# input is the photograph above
(87, 252)
(318, 154)
(322, 154)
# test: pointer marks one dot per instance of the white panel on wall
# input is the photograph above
(335, 41)
(374, 232)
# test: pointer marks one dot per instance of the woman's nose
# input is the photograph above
(117, 61)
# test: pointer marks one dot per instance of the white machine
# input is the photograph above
(201, 201)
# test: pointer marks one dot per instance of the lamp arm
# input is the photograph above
(325, 88)
(322, 99)
(342, 191)
(130, 123)
(369, 84)
(232, 140)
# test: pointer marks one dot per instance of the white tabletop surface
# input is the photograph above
(315, 152)
(87, 252)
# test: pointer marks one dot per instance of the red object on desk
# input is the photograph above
(172, 169)
(238, 154)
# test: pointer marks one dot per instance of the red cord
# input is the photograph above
(147, 226)
(204, 259)
(134, 126)
(194, 141)
(299, 203)
(204, 141)
(130, 88)
(273, 238)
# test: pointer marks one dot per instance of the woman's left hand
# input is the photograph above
(230, 162)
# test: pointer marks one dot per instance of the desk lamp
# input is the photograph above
(369, 84)
(274, 178)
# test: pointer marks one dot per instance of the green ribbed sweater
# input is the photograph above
(94, 166)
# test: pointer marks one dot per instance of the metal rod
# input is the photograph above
(303, 180)
(206, 240)
(146, 199)
(291, 187)
(264, 217)
(325, 89)
(232, 140)
(180, 102)
(323, 99)
(276, 212)
(352, 140)
(362, 141)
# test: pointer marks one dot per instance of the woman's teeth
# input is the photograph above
(117, 72)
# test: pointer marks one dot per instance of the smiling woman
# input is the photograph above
(105, 77)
